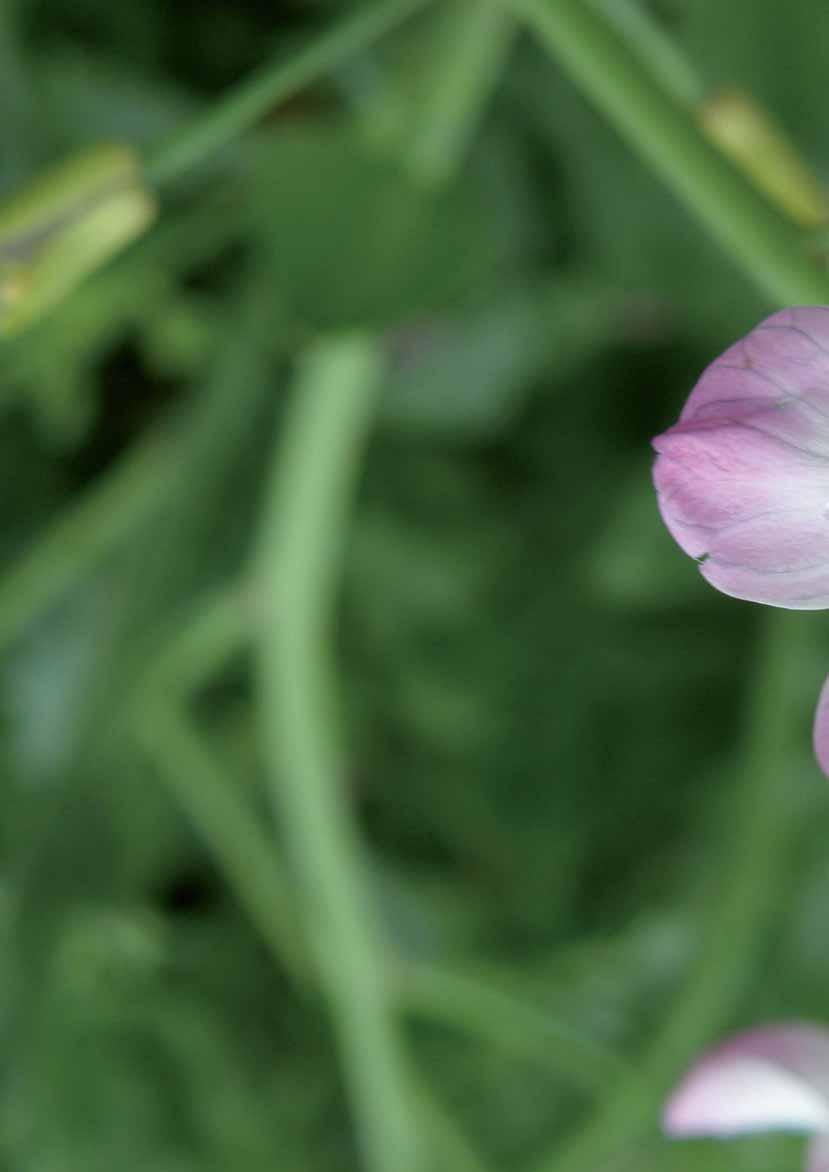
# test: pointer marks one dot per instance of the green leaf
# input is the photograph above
(355, 241)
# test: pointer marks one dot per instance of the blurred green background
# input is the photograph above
(548, 714)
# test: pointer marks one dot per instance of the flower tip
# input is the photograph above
(688, 1112)
(674, 1116)
(744, 473)
(762, 1080)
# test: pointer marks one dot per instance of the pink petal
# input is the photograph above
(786, 352)
(821, 729)
(818, 1158)
(772, 1078)
(743, 478)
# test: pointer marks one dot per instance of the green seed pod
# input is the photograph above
(751, 137)
(65, 225)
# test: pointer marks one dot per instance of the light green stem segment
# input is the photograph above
(485, 1012)
(218, 630)
(769, 248)
(275, 82)
(229, 827)
(81, 537)
(657, 50)
(304, 528)
(470, 42)
(455, 1152)
(303, 534)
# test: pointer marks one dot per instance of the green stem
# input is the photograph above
(646, 36)
(219, 629)
(84, 534)
(487, 1013)
(769, 248)
(454, 1150)
(301, 554)
(275, 82)
(139, 485)
(229, 827)
(743, 903)
(470, 43)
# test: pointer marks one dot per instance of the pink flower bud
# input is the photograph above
(743, 478)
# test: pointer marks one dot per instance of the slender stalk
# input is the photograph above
(219, 629)
(275, 82)
(768, 247)
(492, 1016)
(454, 1150)
(471, 40)
(646, 36)
(123, 498)
(83, 535)
(743, 904)
(229, 827)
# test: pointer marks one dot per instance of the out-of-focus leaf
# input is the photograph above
(356, 241)
(89, 98)
(466, 375)
(471, 374)
(635, 563)
(635, 232)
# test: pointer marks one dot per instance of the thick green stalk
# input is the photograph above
(275, 82)
(303, 535)
(769, 247)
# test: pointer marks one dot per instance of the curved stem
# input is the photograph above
(768, 246)
(486, 1012)
(240, 842)
(301, 553)
(275, 82)
(303, 530)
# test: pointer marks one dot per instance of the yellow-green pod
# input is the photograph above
(65, 225)
(746, 132)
